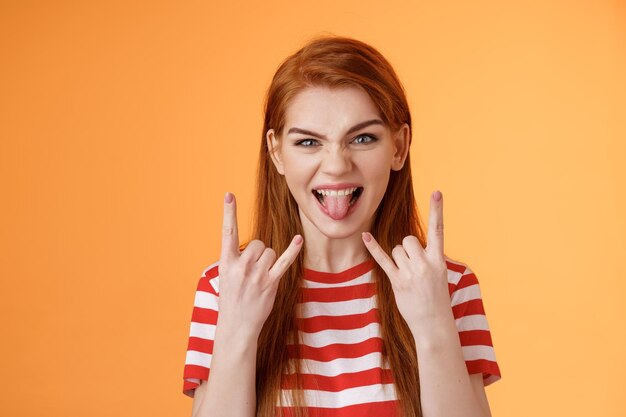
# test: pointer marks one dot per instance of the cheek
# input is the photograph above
(383, 183)
(375, 168)
(377, 173)
(298, 178)
(298, 169)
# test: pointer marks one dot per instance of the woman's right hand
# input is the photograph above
(248, 280)
(247, 287)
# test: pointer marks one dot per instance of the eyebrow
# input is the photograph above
(351, 130)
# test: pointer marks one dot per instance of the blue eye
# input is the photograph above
(365, 139)
(307, 143)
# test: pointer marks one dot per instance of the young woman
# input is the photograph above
(340, 306)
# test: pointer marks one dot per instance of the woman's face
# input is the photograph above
(336, 155)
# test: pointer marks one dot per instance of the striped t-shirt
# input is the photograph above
(343, 370)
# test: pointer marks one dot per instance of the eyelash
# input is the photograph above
(302, 141)
(367, 135)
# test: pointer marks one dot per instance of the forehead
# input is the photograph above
(327, 108)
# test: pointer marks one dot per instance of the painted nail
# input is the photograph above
(228, 198)
(367, 237)
(437, 195)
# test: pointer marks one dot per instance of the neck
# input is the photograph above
(329, 254)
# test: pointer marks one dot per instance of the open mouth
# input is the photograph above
(352, 193)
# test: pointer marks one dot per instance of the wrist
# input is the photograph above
(234, 333)
(436, 333)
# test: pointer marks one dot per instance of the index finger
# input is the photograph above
(230, 233)
(286, 258)
(379, 255)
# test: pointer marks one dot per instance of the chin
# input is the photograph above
(330, 229)
(340, 232)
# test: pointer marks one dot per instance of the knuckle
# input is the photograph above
(253, 247)
(409, 240)
(257, 243)
(270, 254)
(397, 250)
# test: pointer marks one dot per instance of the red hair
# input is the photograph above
(333, 62)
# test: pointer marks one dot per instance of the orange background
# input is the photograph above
(122, 124)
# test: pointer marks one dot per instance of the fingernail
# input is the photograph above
(297, 239)
(367, 237)
(228, 198)
(437, 195)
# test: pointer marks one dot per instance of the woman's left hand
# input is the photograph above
(419, 276)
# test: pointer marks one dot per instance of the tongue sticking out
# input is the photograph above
(337, 206)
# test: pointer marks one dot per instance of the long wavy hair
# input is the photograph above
(332, 61)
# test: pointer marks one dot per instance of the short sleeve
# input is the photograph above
(201, 331)
(471, 323)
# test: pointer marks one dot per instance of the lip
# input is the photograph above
(340, 186)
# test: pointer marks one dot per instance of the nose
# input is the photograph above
(336, 161)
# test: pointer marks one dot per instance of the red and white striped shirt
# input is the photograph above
(343, 371)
